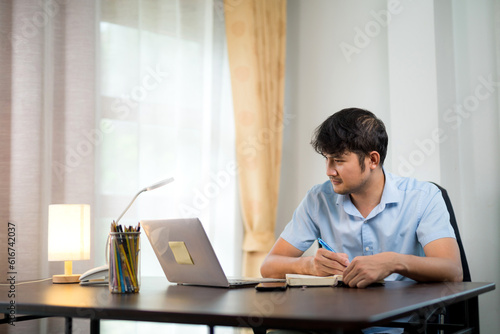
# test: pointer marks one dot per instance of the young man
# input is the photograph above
(381, 226)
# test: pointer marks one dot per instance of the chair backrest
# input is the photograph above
(453, 221)
(456, 313)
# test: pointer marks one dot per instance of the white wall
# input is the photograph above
(413, 72)
(319, 81)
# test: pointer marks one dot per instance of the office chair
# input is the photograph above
(453, 221)
(453, 314)
(456, 313)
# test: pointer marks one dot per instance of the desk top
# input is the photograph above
(298, 308)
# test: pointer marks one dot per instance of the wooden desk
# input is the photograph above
(317, 308)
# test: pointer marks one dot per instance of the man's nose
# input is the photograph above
(330, 170)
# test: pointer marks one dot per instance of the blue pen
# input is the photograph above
(325, 245)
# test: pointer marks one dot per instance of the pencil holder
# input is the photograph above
(124, 262)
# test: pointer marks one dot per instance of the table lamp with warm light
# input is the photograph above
(69, 237)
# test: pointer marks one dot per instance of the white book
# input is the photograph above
(309, 280)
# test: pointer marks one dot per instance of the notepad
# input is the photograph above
(181, 252)
(309, 280)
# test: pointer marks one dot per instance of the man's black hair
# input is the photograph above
(351, 130)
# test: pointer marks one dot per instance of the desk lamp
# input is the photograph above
(151, 187)
(103, 271)
(69, 237)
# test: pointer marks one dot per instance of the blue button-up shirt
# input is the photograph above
(410, 214)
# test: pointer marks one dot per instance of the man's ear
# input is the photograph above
(374, 157)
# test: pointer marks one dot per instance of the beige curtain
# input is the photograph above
(256, 32)
(47, 107)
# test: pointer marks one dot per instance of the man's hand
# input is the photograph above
(286, 259)
(365, 270)
(326, 263)
(441, 263)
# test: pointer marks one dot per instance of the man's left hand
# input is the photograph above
(365, 270)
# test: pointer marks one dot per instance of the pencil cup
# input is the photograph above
(124, 262)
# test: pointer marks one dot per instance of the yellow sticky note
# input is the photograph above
(181, 252)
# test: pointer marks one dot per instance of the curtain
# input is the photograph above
(47, 99)
(166, 111)
(256, 46)
(99, 99)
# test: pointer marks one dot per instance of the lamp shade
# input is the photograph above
(69, 232)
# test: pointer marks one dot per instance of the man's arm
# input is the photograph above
(284, 259)
(441, 263)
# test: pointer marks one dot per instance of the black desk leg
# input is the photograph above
(95, 326)
(68, 328)
(472, 314)
(259, 331)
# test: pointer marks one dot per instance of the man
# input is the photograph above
(381, 225)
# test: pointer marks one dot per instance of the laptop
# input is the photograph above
(187, 256)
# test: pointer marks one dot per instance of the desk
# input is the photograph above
(320, 308)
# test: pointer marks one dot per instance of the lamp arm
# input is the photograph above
(151, 187)
(128, 207)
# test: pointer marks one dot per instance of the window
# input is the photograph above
(166, 111)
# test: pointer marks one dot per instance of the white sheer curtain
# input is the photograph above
(166, 111)
(47, 103)
(99, 99)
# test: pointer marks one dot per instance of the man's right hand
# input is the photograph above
(327, 263)
(286, 259)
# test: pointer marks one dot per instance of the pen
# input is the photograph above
(325, 245)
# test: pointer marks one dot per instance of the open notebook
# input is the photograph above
(309, 280)
(186, 254)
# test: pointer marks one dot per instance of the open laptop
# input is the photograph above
(186, 254)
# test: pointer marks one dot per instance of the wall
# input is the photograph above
(424, 70)
(319, 81)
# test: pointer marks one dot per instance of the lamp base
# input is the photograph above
(65, 279)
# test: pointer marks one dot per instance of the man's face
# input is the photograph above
(345, 172)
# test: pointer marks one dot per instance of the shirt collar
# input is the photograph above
(391, 191)
(390, 194)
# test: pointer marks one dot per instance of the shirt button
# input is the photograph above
(367, 249)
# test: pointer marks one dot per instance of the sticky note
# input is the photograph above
(181, 252)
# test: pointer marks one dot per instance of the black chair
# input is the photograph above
(456, 313)
(453, 221)
(450, 319)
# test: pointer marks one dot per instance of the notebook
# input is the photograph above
(308, 280)
(187, 256)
